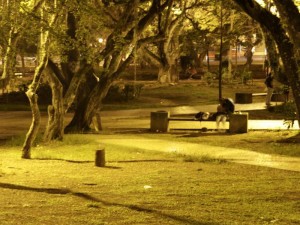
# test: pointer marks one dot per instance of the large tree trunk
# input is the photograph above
(164, 75)
(168, 73)
(272, 54)
(78, 123)
(249, 53)
(55, 125)
(86, 110)
(87, 105)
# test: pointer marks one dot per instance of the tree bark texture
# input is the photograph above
(35, 124)
(31, 93)
(273, 55)
(87, 108)
(287, 49)
(9, 59)
(89, 105)
(290, 14)
(55, 125)
(33, 99)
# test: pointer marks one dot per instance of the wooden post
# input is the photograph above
(100, 158)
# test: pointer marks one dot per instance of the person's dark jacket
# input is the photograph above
(269, 81)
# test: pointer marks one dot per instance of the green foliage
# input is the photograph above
(123, 92)
(245, 75)
(18, 97)
(26, 5)
(282, 89)
(288, 109)
(281, 76)
(209, 77)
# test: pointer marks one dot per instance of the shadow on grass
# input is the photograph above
(106, 166)
(75, 161)
(142, 160)
(65, 160)
(291, 140)
(106, 203)
(202, 134)
(44, 190)
(131, 131)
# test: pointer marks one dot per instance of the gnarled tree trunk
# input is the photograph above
(164, 75)
(31, 93)
(36, 117)
(87, 107)
(55, 125)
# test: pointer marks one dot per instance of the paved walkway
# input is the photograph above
(231, 154)
(14, 123)
(140, 118)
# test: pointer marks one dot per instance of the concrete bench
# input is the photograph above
(259, 94)
(238, 122)
(245, 98)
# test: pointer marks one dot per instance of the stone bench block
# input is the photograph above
(243, 98)
(159, 121)
(238, 123)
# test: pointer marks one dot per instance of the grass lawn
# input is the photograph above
(61, 185)
(186, 92)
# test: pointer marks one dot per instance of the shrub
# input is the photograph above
(246, 75)
(209, 77)
(44, 93)
(288, 109)
(121, 92)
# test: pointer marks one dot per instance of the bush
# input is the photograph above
(15, 97)
(288, 109)
(209, 77)
(121, 92)
(246, 75)
(44, 93)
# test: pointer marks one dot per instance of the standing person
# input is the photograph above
(270, 88)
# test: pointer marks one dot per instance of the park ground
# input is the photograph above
(62, 185)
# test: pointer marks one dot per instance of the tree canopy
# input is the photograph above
(82, 47)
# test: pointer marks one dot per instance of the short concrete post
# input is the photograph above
(100, 158)
(159, 121)
(238, 123)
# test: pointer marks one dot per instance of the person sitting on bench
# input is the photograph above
(224, 109)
